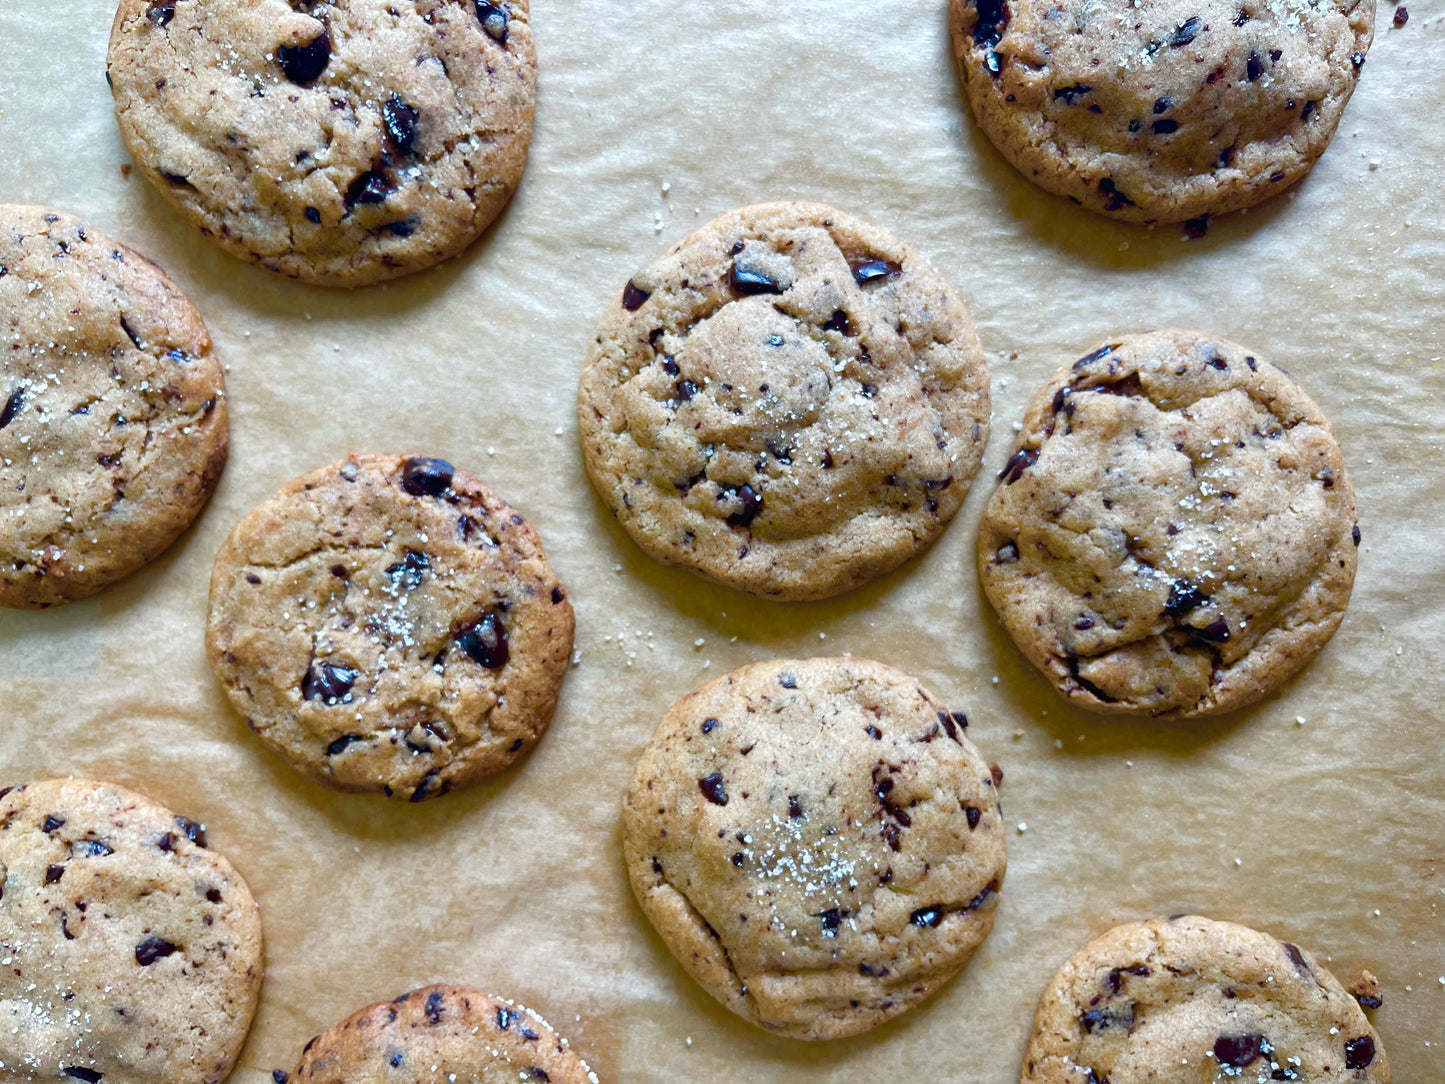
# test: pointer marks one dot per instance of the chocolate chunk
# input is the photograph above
(13, 406)
(832, 918)
(76, 1072)
(752, 504)
(90, 848)
(1165, 126)
(788, 681)
(712, 788)
(995, 773)
(974, 815)
(1355, 535)
(1186, 32)
(409, 570)
(1117, 199)
(1019, 462)
(1240, 17)
(426, 477)
(927, 917)
(160, 12)
(494, 18)
(1070, 95)
(840, 323)
(1183, 597)
(992, 21)
(1195, 228)
(51, 823)
(1216, 632)
(795, 806)
(329, 683)
(151, 950)
(1254, 67)
(1402, 16)
(373, 186)
(401, 122)
(686, 389)
(1237, 1051)
(1007, 554)
(1307, 110)
(1107, 1020)
(752, 280)
(1128, 387)
(341, 744)
(280, 1076)
(873, 732)
(434, 1007)
(1359, 1052)
(303, 64)
(870, 270)
(633, 296)
(485, 641)
(1296, 957)
(709, 725)
(505, 1018)
(53, 873)
(1114, 980)
(1357, 58)
(1163, 105)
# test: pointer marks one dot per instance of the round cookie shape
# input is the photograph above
(112, 410)
(791, 402)
(339, 142)
(1160, 110)
(1190, 999)
(817, 841)
(389, 624)
(132, 953)
(442, 1034)
(1175, 535)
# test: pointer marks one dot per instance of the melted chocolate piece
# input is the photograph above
(1216, 632)
(865, 271)
(1359, 1052)
(927, 917)
(1165, 126)
(1195, 228)
(329, 683)
(795, 806)
(1114, 980)
(1070, 95)
(840, 323)
(303, 64)
(1117, 199)
(974, 815)
(752, 281)
(752, 504)
(434, 1007)
(161, 12)
(409, 569)
(77, 1072)
(51, 823)
(992, 22)
(151, 950)
(709, 725)
(426, 477)
(1089, 359)
(712, 788)
(686, 389)
(1254, 67)
(1237, 1051)
(53, 873)
(485, 640)
(1007, 554)
(633, 296)
(90, 848)
(1019, 462)
(373, 186)
(832, 918)
(1107, 1020)
(1355, 535)
(1186, 32)
(1183, 597)
(341, 744)
(494, 19)
(280, 1076)
(13, 406)
(401, 123)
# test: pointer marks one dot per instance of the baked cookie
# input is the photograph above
(389, 624)
(340, 142)
(1188, 1000)
(112, 410)
(441, 1035)
(1160, 110)
(791, 402)
(817, 842)
(132, 953)
(1175, 535)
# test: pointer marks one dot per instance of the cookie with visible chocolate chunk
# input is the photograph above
(791, 402)
(442, 1033)
(1192, 999)
(1175, 535)
(112, 410)
(132, 952)
(817, 841)
(1160, 110)
(389, 624)
(340, 142)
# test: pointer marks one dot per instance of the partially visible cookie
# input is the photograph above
(1189, 999)
(817, 841)
(1175, 535)
(132, 953)
(389, 624)
(1160, 110)
(112, 410)
(340, 142)
(441, 1035)
(791, 402)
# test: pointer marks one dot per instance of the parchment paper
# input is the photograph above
(1318, 816)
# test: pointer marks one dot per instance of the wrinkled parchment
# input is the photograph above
(1318, 815)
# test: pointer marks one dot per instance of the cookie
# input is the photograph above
(817, 842)
(1160, 110)
(340, 142)
(441, 1035)
(112, 410)
(132, 953)
(1191, 999)
(790, 402)
(390, 624)
(1175, 535)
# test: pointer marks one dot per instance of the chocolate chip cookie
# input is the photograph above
(1161, 110)
(1191, 999)
(791, 402)
(441, 1034)
(817, 841)
(1175, 535)
(340, 142)
(132, 954)
(389, 624)
(112, 410)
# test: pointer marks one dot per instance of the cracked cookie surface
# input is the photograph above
(132, 953)
(340, 142)
(442, 1034)
(113, 425)
(1175, 535)
(817, 841)
(1194, 1001)
(1163, 110)
(791, 403)
(389, 624)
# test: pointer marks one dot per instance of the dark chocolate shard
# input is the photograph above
(485, 641)
(633, 296)
(303, 64)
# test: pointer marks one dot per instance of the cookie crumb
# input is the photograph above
(1366, 989)
(1402, 16)
(125, 166)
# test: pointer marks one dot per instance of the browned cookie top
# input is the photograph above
(341, 142)
(389, 624)
(112, 410)
(791, 402)
(1175, 534)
